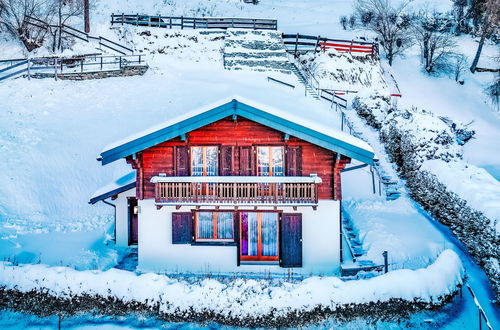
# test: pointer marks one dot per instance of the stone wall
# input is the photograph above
(131, 70)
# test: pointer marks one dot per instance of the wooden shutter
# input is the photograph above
(182, 228)
(181, 161)
(291, 240)
(293, 161)
(247, 160)
(226, 161)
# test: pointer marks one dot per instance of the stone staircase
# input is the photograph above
(302, 79)
(255, 50)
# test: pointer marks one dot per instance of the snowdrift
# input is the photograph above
(228, 301)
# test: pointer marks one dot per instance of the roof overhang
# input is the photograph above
(112, 193)
(235, 107)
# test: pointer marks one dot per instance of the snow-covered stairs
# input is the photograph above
(255, 50)
(352, 244)
(309, 89)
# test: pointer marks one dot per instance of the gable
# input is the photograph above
(337, 142)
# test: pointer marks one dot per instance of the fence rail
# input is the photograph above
(182, 22)
(300, 44)
(57, 66)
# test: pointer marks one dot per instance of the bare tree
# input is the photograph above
(390, 23)
(459, 66)
(66, 9)
(490, 23)
(14, 18)
(433, 35)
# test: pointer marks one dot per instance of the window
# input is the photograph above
(204, 161)
(214, 226)
(270, 161)
(259, 236)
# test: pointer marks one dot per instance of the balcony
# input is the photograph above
(237, 190)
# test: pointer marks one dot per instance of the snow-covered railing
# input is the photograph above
(103, 42)
(59, 65)
(237, 190)
(194, 22)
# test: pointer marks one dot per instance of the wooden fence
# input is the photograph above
(182, 22)
(300, 44)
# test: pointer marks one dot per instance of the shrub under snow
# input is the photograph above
(229, 301)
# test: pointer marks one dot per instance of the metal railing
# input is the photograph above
(103, 42)
(236, 190)
(183, 22)
(56, 66)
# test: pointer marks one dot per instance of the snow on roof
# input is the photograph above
(291, 115)
(119, 185)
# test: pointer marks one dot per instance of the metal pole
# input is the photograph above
(373, 179)
(342, 126)
(386, 264)
(55, 69)
(86, 15)
(29, 69)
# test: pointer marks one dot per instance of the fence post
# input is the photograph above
(317, 43)
(342, 126)
(139, 59)
(81, 65)
(29, 69)
(55, 69)
(137, 19)
(123, 18)
(101, 63)
(232, 22)
(182, 22)
(254, 23)
(112, 15)
(350, 47)
(170, 22)
(386, 264)
(149, 20)
(194, 23)
(120, 62)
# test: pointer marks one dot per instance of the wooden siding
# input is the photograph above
(240, 133)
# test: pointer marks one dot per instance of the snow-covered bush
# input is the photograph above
(413, 136)
(336, 70)
(44, 290)
(372, 106)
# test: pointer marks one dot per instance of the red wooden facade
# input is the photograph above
(241, 135)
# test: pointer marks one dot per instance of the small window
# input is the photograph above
(204, 161)
(270, 161)
(214, 226)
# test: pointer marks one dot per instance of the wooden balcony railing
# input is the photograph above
(236, 190)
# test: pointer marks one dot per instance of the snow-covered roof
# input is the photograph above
(299, 126)
(119, 185)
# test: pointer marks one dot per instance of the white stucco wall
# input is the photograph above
(320, 244)
(122, 217)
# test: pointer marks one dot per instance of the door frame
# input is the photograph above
(259, 257)
(130, 214)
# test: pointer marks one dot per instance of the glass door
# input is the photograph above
(259, 236)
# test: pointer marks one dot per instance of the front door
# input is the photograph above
(133, 221)
(259, 236)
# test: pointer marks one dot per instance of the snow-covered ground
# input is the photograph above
(51, 132)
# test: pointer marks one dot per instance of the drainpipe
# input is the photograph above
(114, 207)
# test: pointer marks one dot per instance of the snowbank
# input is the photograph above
(473, 184)
(238, 299)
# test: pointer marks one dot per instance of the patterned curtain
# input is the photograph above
(205, 225)
(269, 234)
(225, 225)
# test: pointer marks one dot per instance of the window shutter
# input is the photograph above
(291, 240)
(182, 228)
(181, 161)
(247, 160)
(226, 160)
(293, 161)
